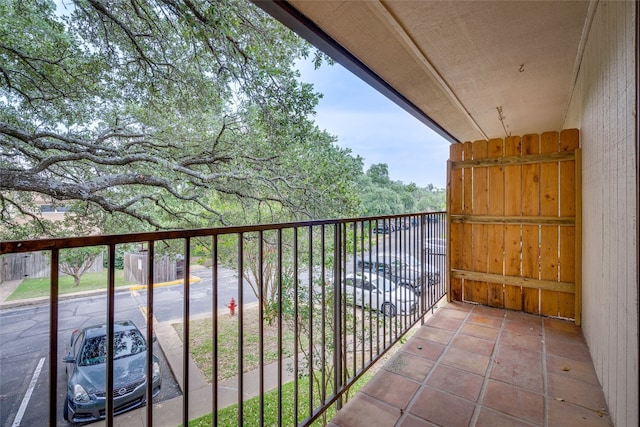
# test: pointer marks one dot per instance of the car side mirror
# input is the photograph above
(69, 359)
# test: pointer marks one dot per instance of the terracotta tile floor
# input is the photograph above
(471, 365)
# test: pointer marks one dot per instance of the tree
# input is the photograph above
(381, 201)
(382, 196)
(149, 110)
(379, 173)
(76, 262)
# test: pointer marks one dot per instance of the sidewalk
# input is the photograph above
(7, 288)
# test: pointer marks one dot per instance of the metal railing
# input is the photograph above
(335, 295)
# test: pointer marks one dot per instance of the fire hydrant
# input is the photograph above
(232, 307)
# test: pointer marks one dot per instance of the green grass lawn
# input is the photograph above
(201, 344)
(33, 288)
(201, 351)
(228, 417)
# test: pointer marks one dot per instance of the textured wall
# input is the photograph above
(603, 108)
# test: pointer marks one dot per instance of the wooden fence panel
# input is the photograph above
(549, 207)
(512, 250)
(495, 232)
(567, 271)
(512, 207)
(512, 179)
(478, 290)
(455, 197)
(135, 268)
(34, 265)
(513, 223)
(495, 251)
(455, 181)
(467, 177)
(456, 261)
(549, 269)
(530, 266)
(530, 207)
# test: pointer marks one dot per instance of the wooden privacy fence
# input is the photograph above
(165, 268)
(34, 265)
(514, 224)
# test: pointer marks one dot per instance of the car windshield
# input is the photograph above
(125, 343)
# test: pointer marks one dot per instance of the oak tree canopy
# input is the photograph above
(162, 114)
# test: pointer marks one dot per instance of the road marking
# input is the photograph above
(27, 396)
(192, 279)
(143, 309)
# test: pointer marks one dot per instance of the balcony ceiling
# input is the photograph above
(455, 64)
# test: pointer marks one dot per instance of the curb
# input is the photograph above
(192, 279)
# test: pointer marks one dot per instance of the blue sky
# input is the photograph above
(375, 128)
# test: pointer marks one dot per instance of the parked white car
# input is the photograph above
(379, 292)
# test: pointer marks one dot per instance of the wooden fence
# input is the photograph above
(33, 265)
(165, 268)
(514, 224)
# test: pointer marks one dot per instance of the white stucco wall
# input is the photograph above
(603, 107)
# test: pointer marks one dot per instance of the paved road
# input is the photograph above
(24, 335)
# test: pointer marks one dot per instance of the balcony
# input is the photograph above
(472, 365)
(446, 363)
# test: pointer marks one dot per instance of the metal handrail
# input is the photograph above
(346, 328)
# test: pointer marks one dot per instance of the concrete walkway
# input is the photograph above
(7, 288)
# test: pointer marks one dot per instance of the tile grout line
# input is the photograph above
(485, 382)
(436, 363)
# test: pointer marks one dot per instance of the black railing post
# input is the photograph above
(149, 320)
(261, 321)
(296, 344)
(240, 327)
(280, 319)
(324, 311)
(423, 262)
(185, 341)
(53, 339)
(110, 334)
(214, 338)
(310, 337)
(337, 312)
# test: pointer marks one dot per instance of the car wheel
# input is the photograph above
(389, 309)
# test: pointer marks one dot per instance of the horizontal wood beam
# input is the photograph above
(535, 220)
(515, 160)
(525, 282)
